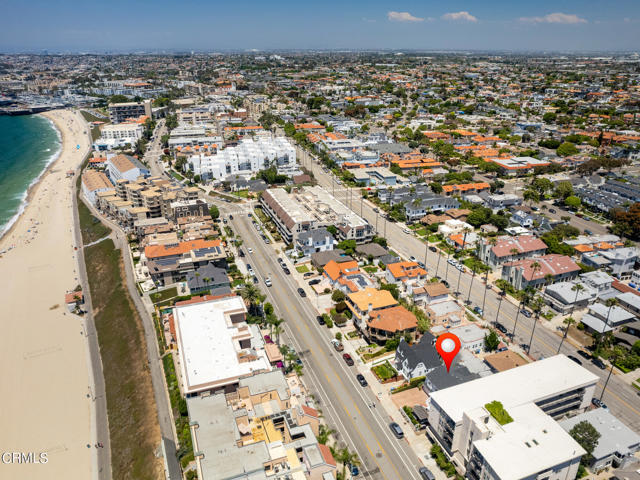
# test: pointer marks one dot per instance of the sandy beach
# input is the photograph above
(45, 386)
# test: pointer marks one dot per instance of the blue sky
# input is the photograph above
(118, 25)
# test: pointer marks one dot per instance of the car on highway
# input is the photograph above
(320, 320)
(267, 281)
(308, 274)
(315, 281)
(588, 232)
(301, 292)
(406, 230)
(396, 430)
(286, 270)
(361, 380)
(255, 280)
(552, 210)
(337, 344)
(445, 283)
(584, 354)
(348, 360)
(426, 474)
(599, 403)
(575, 359)
(599, 363)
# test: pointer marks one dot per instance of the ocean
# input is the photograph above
(27, 145)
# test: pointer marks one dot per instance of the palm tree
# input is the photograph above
(616, 354)
(537, 308)
(568, 322)
(526, 298)
(535, 266)
(492, 241)
(576, 288)
(345, 457)
(250, 293)
(501, 294)
(464, 242)
(324, 432)
(277, 329)
(438, 264)
(473, 275)
(549, 278)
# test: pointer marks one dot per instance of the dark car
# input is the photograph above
(230, 217)
(315, 281)
(286, 271)
(397, 431)
(445, 283)
(599, 363)
(255, 280)
(426, 474)
(588, 232)
(433, 249)
(552, 210)
(301, 292)
(501, 327)
(249, 215)
(478, 310)
(525, 312)
(361, 380)
(599, 403)
(575, 359)
(320, 319)
(241, 252)
(584, 354)
(347, 359)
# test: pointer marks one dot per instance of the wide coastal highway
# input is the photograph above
(343, 402)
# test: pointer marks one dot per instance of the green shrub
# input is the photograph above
(497, 411)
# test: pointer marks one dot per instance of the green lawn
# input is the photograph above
(242, 193)
(384, 371)
(370, 269)
(302, 269)
(164, 295)
(422, 232)
(433, 238)
(176, 175)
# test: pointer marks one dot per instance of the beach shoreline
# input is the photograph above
(30, 192)
(46, 387)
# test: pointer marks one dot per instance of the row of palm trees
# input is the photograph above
(341, 453)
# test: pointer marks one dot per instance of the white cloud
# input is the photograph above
(566, 18)
(460, 16)
(403, 17)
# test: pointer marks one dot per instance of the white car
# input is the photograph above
(267, 281)
(250, 250)
(406, 230)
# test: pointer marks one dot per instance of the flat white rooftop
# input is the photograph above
(532, 443)
(527, 383)
(209, 345)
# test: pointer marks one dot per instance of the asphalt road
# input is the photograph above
(154, 152)
(622, 399)
(344, 403)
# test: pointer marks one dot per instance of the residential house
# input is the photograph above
(552, 268)
(401, 273)
(418, 359)
(319, 240)
(617, 444)
(602, 319)
(430, 293)
(387, 323)
(509, 249)
(208, 277)
(364, 303)
(447, 313)
(346, 276)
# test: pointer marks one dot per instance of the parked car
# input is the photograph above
(230, 217)
(599, 404)
(575, 359)
(249, 215)
(250, 250)
(552, 210)
(320, 320)
(337, 344)
(426, 474)
(445, 283)
(584, 354)
(525, 312)
(255, 280)
(406, 230)
(433, 249)
(267, 282)
(280, 261)
(347, 359)
(355, 471)
(361, 380)
(478, 310)
(308, 274)
(286, 271)
(301, 292)
(240, 252)
(396, 430)
(502, 328)
(588, 232)
(599, 363)
(412, 258)
(376, 210)
(315, 281)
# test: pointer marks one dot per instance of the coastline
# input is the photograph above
(29, 192)
(46, 387)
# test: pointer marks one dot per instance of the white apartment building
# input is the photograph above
(311, 208)
(122, 131)
(534, 395)
(247, 158)
(216, 345)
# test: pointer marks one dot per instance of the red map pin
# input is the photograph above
(448, 345)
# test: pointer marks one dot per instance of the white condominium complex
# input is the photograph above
(247, 158)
